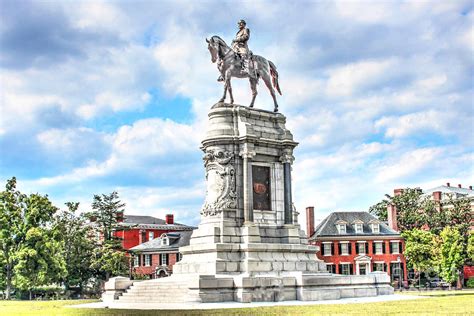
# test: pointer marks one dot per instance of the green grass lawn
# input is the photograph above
(439, 303)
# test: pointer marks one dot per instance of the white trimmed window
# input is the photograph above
(180, 256)
(135, 261)
(345, 269)
(164, 259)
(375, 228)
(378, 266)
(358, 228)
(165, 241)
(327, 249)
(331, 268)
(341, 228)
(394, 247)
(151, 235)
(361, 247)
(345, 249)
(147, 260)
(378, 248)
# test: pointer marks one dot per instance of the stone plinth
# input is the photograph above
(249, 246)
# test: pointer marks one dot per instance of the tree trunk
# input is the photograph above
(9, 281)
(459, 282)
(30, 293)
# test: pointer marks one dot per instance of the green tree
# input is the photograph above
(451, 255)
(380, 209)
(470, 247)
(420, 251)
(31, 255)
(12, 232)
(410, 207)
(109, 256)
(40, 260)
(75, 234)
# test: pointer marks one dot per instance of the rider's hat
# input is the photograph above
(242, 21)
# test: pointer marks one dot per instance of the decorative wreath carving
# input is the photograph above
(220, 179)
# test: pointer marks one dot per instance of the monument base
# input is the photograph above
(194, 288)
(248, 246)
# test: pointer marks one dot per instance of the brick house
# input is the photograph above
(357, 243)
(155, 258)
(139, 229)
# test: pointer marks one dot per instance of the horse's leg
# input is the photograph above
(253, 86)
(229, 87)
(268, 83)
(225, 93)
(226, 86)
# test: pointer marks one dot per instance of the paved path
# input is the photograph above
(165, 306)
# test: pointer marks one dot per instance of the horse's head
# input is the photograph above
(213, 47)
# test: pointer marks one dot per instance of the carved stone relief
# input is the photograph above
(220, 179)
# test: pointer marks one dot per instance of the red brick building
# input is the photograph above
(153, 242)
(357, 243)
(139, 229)
(155, 258)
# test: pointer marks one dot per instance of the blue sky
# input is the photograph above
(101, 96)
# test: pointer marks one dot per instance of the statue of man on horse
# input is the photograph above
(238, 61)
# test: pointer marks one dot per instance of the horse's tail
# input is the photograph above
(274, 74)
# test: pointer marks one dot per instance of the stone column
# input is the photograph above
(287, 159)
(247, 156)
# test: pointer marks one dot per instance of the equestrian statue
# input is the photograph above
(238, 61)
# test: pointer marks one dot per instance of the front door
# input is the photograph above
(363, 269)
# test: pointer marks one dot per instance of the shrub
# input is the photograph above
(470, 283)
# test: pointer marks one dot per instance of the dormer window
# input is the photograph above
(358, 226)
(164, 240)
(341, 228)
(375, 228)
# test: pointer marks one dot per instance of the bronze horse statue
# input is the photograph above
(230, 65)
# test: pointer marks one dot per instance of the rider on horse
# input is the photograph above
(240, 47)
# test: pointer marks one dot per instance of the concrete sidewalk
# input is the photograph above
(189, 306)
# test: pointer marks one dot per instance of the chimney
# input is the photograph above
(310, 221)
(398, 191)
(459, 186)
(448, 184)
(169, 219)
(437, 196)
(120, 217)
(392, 217)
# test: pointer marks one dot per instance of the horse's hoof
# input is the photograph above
(275, 110)
(220, 101)
(231, 101)
(251, 105)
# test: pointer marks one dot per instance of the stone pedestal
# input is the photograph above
(249, 245)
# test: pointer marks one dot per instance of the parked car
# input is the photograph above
(437, 282)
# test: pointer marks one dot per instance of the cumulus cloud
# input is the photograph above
(378, 95)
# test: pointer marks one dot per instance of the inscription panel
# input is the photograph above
(261, 188)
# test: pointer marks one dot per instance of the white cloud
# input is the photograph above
(364, 70)
(348, 79)
(143, 147)
(407, 164)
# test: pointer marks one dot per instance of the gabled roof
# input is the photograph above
(450, 190)
(176, 240)
(150, 222)
(141, 219)
(328, 226)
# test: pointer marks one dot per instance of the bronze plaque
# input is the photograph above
(261, 188)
